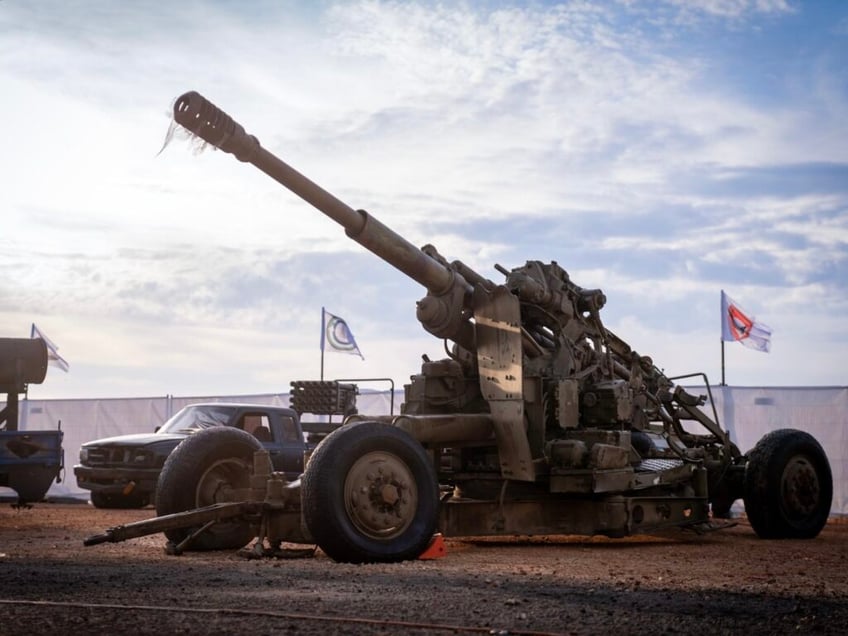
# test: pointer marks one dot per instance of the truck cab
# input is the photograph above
(122, 471)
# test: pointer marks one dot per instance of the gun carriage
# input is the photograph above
(540, 420)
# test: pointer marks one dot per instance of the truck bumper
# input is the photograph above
(116, 481)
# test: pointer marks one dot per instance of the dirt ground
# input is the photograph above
(726, 582)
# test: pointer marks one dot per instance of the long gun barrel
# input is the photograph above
(533, 349)
(202, 118)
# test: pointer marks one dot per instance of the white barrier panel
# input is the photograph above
(86, 420)
(749, 413)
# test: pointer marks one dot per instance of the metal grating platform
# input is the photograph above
(654, 465)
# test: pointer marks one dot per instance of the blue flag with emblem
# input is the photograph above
(336, 335)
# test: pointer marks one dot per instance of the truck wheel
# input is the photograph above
(203, 470)
(788, 486)
(118, 501)
(370, 494)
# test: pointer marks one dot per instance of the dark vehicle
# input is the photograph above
(121, 472)
(539, 421)
(29, 460)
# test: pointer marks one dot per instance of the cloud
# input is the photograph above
(623, 140)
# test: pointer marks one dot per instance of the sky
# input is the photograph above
(662, 151)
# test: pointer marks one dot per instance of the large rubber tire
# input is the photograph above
(118, 501)
(788, 486)
(203, 470)
(370, 494)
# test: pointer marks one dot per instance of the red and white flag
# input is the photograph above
(737, 325)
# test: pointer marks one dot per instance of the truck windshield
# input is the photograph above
(195, 418)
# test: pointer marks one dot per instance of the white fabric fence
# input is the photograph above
(747, 413)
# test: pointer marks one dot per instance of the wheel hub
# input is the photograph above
(220, 480)
(390, 494)
(800, 486)
(380, 495)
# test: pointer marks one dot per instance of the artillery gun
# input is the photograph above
(540, 421)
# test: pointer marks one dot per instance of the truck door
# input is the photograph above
(288, 446)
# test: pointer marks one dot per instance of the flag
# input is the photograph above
(336, 335)
(739, 326)
(53, 356)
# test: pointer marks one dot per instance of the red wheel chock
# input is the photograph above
(436, 549)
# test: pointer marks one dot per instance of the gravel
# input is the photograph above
(725, 582)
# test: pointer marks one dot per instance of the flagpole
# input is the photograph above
(723, 319)
(322, 343)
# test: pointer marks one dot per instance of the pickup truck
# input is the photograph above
(122, 472)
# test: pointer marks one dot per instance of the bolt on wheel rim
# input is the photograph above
(380, 495)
